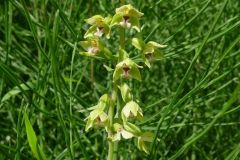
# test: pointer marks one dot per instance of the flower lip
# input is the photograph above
(126, 70)
(93, 50)
(99, 32)
(126, 18)
(125, 21)
(149, 55)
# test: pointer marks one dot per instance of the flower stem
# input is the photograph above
(113, 145)
(111, 117)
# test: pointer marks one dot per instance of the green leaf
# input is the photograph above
(32, 140)
(15, 91)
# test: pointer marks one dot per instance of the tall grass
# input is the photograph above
(190, 98)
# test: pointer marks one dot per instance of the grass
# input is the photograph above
(190, 98)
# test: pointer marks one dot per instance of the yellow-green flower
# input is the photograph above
(97, 118)
(144, 141)
(132, 109)
(149, 50)
(126, 69)
(93, 47)
(100, 27)
(120, 132)
(127, 16)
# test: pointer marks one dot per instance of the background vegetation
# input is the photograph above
(190, 98)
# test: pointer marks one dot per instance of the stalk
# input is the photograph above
(113, 145)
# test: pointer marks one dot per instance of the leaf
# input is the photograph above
(32, 140)
(16, 90)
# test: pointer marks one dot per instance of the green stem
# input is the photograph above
(113, 145)
(111, 117)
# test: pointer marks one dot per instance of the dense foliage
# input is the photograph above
(190, 98)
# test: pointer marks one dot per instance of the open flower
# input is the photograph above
(93, 47)
(144, 141)
(120, 132)
(132, 109)
(97, 118)
(149, 50)
(127, 68)
(127, 16)
(100, 27)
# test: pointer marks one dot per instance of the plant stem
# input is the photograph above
(113, 145)
(111, 117)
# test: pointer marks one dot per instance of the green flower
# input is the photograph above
(127, 16)
(127, 68)
(100, 26)
(98, 117)
(132, 109)
(94, 48)
(144, 141)
(120, 132)
(149, 50)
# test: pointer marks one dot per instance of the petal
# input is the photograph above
(85, 44)
(90, 32)
(156, 45)
(103, 117)
(95, 113)
(117, 73)
(95, 20)
(135, 73)
(131, 107)
(108, 20)
(126, 111)
(89, 124)
(126, 134)
(138, 43)
(146, 61)
(158, 54)
(124, 9)
(104, 98)
(135, 23)
(135, 13)
(125, 92)
(132, 128)
(117, 18)
(147, 136)
(145, 148)
(148, 49)
(116, 137)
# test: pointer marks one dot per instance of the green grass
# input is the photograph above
(190, 98)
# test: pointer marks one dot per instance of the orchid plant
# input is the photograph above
(118, 120)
